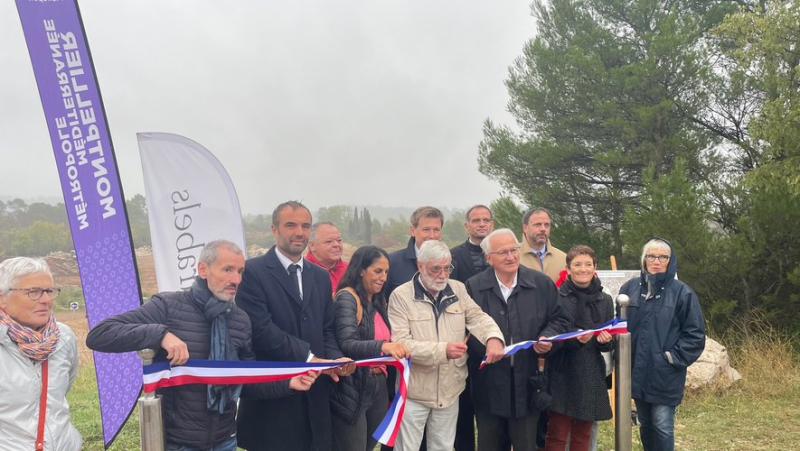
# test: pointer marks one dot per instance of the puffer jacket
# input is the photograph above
(20, 391)
(187, 419)
(667, 334)
(436, 382)
(356, 341)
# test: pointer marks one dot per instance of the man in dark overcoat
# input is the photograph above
(289, 303)
(468, 257)
(524, 303)
(468, 260)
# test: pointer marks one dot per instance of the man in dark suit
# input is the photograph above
(426, 224)
(289, 303)
(468, 260)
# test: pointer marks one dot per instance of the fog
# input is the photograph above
(330, 102)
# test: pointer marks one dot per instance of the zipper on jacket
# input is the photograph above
(436, 315)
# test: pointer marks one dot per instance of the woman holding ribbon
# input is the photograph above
(362, 331)
(39, 358)
(577, 368)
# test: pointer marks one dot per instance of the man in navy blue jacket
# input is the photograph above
(426, 224)
(289, 303)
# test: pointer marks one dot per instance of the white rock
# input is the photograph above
(712, 366)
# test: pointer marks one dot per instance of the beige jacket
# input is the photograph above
(436, 382)
(554, 260)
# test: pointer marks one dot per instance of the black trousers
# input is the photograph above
(496, 433)
(465, 425)
(374, 404)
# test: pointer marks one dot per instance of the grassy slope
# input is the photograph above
(83, 399)
(85, 408)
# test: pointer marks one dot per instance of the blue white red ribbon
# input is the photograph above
(215, 372)
(614, 327)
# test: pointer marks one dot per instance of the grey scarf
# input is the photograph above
(216, 312)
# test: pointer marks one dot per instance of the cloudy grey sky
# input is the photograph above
(358, 102)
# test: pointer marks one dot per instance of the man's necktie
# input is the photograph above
(294, 273)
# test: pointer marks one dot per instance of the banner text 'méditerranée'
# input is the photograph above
(78, 131)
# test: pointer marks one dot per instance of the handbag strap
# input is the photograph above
(359, 308)
(42, 409)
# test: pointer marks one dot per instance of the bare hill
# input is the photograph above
(65, 269)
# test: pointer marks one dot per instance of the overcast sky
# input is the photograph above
(362, 102)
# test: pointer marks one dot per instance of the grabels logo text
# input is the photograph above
(188, 251)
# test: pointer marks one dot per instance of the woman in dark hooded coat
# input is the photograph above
(667, 335)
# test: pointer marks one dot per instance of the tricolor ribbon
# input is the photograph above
(614, 327)
(216, 372)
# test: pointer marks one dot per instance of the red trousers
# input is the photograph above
(559, 427)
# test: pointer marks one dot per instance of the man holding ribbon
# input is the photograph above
(200, 323)
(431, 315)
(524, 304)
(289, 301)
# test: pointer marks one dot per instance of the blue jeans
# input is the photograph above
(227, 445)
(657, 426)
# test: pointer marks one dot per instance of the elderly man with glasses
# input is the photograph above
(431, 315)
(524, 303)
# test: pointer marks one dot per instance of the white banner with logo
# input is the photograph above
(190, 202)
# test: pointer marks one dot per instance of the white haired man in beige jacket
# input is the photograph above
(432, 315)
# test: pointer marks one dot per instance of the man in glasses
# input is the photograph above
(468, 260)
(431, 315)
(524, 304)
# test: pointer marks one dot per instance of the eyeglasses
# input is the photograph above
(36, 293)
(506, 252)
(651, 258)
(436, 270)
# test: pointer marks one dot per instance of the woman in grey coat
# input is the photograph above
(577, 369)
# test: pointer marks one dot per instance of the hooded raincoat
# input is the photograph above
(667, 334)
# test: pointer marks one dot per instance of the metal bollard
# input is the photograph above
(151, 425)
(622, 423)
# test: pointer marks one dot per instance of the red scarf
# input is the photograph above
(33, 344)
